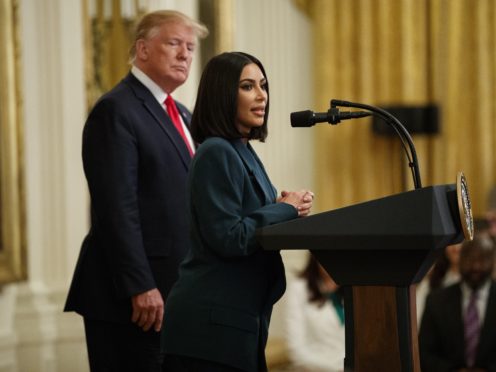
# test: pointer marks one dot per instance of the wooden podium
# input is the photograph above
(378, 250)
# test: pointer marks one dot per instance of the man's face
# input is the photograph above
(167, 54)
(476, 265)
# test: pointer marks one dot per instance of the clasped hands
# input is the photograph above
(302, 200)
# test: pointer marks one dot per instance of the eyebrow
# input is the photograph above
(263, 80)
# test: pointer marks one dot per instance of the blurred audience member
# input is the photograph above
(315, 321)
(491, 213)
(458, 330)
(443, 273)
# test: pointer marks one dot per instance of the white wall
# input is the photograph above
(54, 110)
(35, 335)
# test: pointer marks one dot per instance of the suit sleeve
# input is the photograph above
(430, 341)
(110, 158)
(218, 190)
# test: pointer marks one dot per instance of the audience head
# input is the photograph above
(449, 261)
(319, 282)
(163, 47)
(491, 213)
(477, 260)
(217, 103)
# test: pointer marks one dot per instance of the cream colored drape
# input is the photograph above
(384, 52)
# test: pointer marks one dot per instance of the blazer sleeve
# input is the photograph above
(219, 193)
(110, 158)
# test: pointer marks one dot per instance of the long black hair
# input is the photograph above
(217, 101)
(313, 276)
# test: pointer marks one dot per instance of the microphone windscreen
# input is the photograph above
(302, 119)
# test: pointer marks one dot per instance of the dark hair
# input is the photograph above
(313, 277)
(482, 240)
(217, 101)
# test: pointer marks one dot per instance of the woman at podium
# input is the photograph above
(217, 315)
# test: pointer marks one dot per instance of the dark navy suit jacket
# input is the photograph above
(441, 338)
(136, 166)
(219, 309)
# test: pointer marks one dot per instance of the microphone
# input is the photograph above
(307, 118)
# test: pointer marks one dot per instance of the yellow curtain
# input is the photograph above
(408, 52)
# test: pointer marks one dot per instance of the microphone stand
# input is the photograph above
(397, 126)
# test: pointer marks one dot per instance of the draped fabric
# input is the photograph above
(109, 27)
(407, 52)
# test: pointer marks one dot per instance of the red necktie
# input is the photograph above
(174, 115)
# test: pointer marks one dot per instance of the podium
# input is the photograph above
(378, 250)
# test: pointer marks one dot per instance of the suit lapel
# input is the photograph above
(185, 115)
(160, 116)
(488, 325)
(457, 320)
(255, 169)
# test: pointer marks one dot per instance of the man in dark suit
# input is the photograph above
(136, 154)
(458, 330)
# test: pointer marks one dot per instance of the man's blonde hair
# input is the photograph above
(150, 22)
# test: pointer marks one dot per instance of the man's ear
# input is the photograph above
(142, 50)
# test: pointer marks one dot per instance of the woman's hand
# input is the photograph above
(301, 200)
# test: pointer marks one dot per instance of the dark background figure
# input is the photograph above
(442, 274)
(217, 315)
(136, 162)
(491, 213)
(458, 330)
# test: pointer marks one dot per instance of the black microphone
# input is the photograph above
(333, 116)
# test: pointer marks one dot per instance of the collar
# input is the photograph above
(482, 292)
(153, 87)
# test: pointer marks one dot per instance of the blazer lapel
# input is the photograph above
(160, 116)
(255, 169)
(271, 191)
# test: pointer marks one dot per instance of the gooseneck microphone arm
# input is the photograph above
(397, 126)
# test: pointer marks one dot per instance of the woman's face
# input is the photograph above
(252, 99)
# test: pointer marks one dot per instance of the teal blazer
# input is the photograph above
(220, 307)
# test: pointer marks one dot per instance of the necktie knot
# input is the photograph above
(169, 103)
(474, 296)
